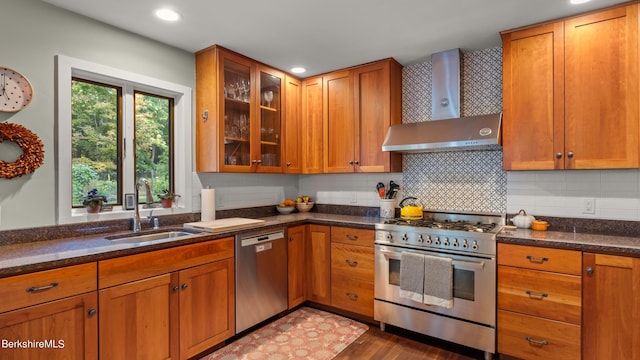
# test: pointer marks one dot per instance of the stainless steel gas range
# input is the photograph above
(469, 240)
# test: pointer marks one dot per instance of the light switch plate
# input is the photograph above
(589, 206)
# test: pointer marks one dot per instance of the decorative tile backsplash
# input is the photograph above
(459, 181)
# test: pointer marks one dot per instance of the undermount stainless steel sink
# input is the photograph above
(153, 237)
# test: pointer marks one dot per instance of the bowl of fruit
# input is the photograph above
(304, 203)
(286, 207)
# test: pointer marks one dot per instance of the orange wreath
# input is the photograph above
(32, 150)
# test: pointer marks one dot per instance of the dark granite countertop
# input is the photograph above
(25, 257)
(606, 244)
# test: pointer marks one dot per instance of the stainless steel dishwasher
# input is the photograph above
(261, 277)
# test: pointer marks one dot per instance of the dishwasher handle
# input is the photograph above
(261, 238)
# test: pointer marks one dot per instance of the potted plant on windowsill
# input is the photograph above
(167, 197)
(93, 201)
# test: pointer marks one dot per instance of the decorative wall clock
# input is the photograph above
(15, 90)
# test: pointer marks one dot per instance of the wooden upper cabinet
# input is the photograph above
(339, 126)
(359, 106)
(570, 93)
(378, 105)
(311, 128)
(533, 98)
(601, 89)
(239, 113)
(292, 133)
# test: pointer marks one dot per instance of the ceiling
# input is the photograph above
(328, 35)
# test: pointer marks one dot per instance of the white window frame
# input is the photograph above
(66, 69)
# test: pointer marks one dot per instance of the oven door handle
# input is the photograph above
(473, 264)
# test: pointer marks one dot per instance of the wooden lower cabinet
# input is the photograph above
(611, 316)
(50, 314)
(352, 270)
(532, 337)
(296, 236)
(129, 311)
(68, 329)
(318, 269)
(539, 302)
(171, 304)
(207, 312)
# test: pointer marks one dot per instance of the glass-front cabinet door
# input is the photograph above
(236, 114)
(270, 120)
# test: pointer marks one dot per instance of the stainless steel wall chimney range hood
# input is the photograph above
(447, 131)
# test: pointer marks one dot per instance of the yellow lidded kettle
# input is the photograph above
(411, 211)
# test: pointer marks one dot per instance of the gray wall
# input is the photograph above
(34, 32)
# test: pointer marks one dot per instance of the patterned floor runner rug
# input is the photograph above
(303, 334)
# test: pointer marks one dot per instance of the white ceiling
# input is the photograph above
(325, 35)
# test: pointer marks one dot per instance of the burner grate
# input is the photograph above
(445, 225)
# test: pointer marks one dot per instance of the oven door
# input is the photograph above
(474, 284)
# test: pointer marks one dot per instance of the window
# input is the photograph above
(114, 129)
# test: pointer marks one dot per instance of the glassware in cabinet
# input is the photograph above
(237, 113)
(271, 118)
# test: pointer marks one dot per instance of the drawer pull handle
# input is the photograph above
(42, 288)
(352, 296)
(352, 237)
(537, 260)
(352, 263)
(538, 296)
(536, 342)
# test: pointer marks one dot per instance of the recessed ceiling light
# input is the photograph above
(579, 1)
(298, 70)
(167, 14)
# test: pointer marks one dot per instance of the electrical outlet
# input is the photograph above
(589, 206)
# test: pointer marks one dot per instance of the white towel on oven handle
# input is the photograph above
(438, 281)
(412, 276)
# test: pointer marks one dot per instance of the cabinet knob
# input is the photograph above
(288, 163)
(350, 162)
(290, 238)
(558, 155)
(589, 270)
(205, 116)
(184, 286)
(92, 312)
(175, 288)
(357, 162)
(570, 154)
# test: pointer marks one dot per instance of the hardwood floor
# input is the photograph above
(401, 344)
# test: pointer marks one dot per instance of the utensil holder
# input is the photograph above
(387, 208)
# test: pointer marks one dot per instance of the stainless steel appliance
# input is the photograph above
(470, 241)
(261, 277)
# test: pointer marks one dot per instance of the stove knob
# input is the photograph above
(405, 237)
(474, 246)
(389, 237)
(420, 239)
(455, 243)
(428, 239)
(465, 244)
(437, 242)
(446, 241)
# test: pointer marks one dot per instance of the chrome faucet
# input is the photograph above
(136, 213)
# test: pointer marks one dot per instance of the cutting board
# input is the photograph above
(223, 224)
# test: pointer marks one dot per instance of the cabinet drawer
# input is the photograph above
(352, 261)
(529, 337)
(345, 235)
(352, 295)
(540, 258)
(539, 293)
(140, 266)
(30, 289)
